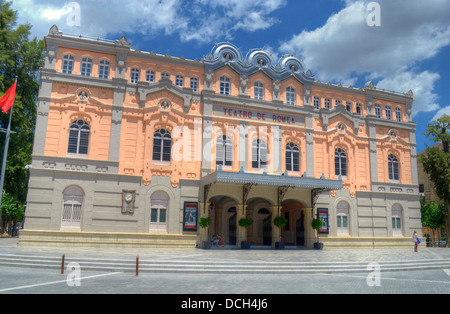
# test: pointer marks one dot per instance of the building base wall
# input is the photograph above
(365, 243)
(71, 238)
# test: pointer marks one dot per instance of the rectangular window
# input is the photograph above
(154, 215)
(316, 102)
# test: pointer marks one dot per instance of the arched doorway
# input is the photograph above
(222, 210)
(294, 231)
(260, 233)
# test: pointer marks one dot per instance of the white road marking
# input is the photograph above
(56, 282)
(447, 271)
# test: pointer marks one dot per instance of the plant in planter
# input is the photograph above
(316, 225)
(280, 222)
(245, 222)
(205, 223)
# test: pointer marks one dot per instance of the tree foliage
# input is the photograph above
(19, 57)
(436, 163)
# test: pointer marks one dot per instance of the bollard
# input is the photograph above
(62, 264)
(137, 265)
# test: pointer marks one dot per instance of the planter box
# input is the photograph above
(318, 246)
(245, 245)
(279, 245)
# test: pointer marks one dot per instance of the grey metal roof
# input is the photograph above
(270, 179)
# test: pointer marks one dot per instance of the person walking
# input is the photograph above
(416, 241)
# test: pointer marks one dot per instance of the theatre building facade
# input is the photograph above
(132, 148)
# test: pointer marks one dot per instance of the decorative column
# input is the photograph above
(309, 231)
(241, 232)
(276, 231)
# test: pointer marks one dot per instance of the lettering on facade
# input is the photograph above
(258, 115)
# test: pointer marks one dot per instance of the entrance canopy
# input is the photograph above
(271, 180)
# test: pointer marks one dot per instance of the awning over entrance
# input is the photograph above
(270, 179)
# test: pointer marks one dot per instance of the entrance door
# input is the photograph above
(72, 206)
(232, 230)
(267, 230)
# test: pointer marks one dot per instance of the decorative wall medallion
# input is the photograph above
(128, 199)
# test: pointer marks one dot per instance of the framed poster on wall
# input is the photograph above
(322, 213)
(190, 216)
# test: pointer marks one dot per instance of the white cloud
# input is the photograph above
(198, 20)
(440, 113)
(346, 48)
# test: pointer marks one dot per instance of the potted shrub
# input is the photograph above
(316, 225)
(280, 222)
(245, 222)
(205, 223)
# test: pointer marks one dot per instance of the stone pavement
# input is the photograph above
(257, 254)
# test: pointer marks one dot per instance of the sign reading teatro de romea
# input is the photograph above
(258, 115)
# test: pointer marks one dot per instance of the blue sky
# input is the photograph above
(410, 50)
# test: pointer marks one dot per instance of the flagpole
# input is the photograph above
(5, 155)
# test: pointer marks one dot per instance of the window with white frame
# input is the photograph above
(327, 103)
(378, 110)
(67, 64)
(259, 154)
(86, 66)
(259, 90)
(316, 102)
(79, 132)
(342, 213)
(359, 108)
(396, 213)
(194, 84)
(165, 76)
(179, 80)
(393, 167)
(150, 76)
(290, 95)
(398, 114)
(224, 151)
(103, 69)
(348, 106)
(388, 112)
(340, 162)
(337, 102)
(225, 85)
(162, 145)
(72, 207)
(292, 157)
(134, 75)
(158, 211)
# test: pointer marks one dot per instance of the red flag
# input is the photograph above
(7, 100)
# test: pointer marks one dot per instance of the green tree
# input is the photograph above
(436, 163)
(12, 213)
(433, 216)
(20, 58)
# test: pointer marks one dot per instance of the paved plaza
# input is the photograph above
(18, 280)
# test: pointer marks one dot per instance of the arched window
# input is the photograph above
(259, 154)
(86, 66)
(179, 80)
(162, 145)
(150, 76)
(259, 90)
(396, 213)
(378, 110)
(348, 106)
(292, 157)
(72, 208)
(316, 102)
(158, 211)
(224, 151)
(359, 108)
(224, 85)
(398, 114)
(194, 84)
(342, 210)
(327, 103)
(79, 132)
(165, 76)
(103, 69)
(290, 95)
(393, 167)
(340, 162)
(67, 64)
(134, 75)
(388, 112)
